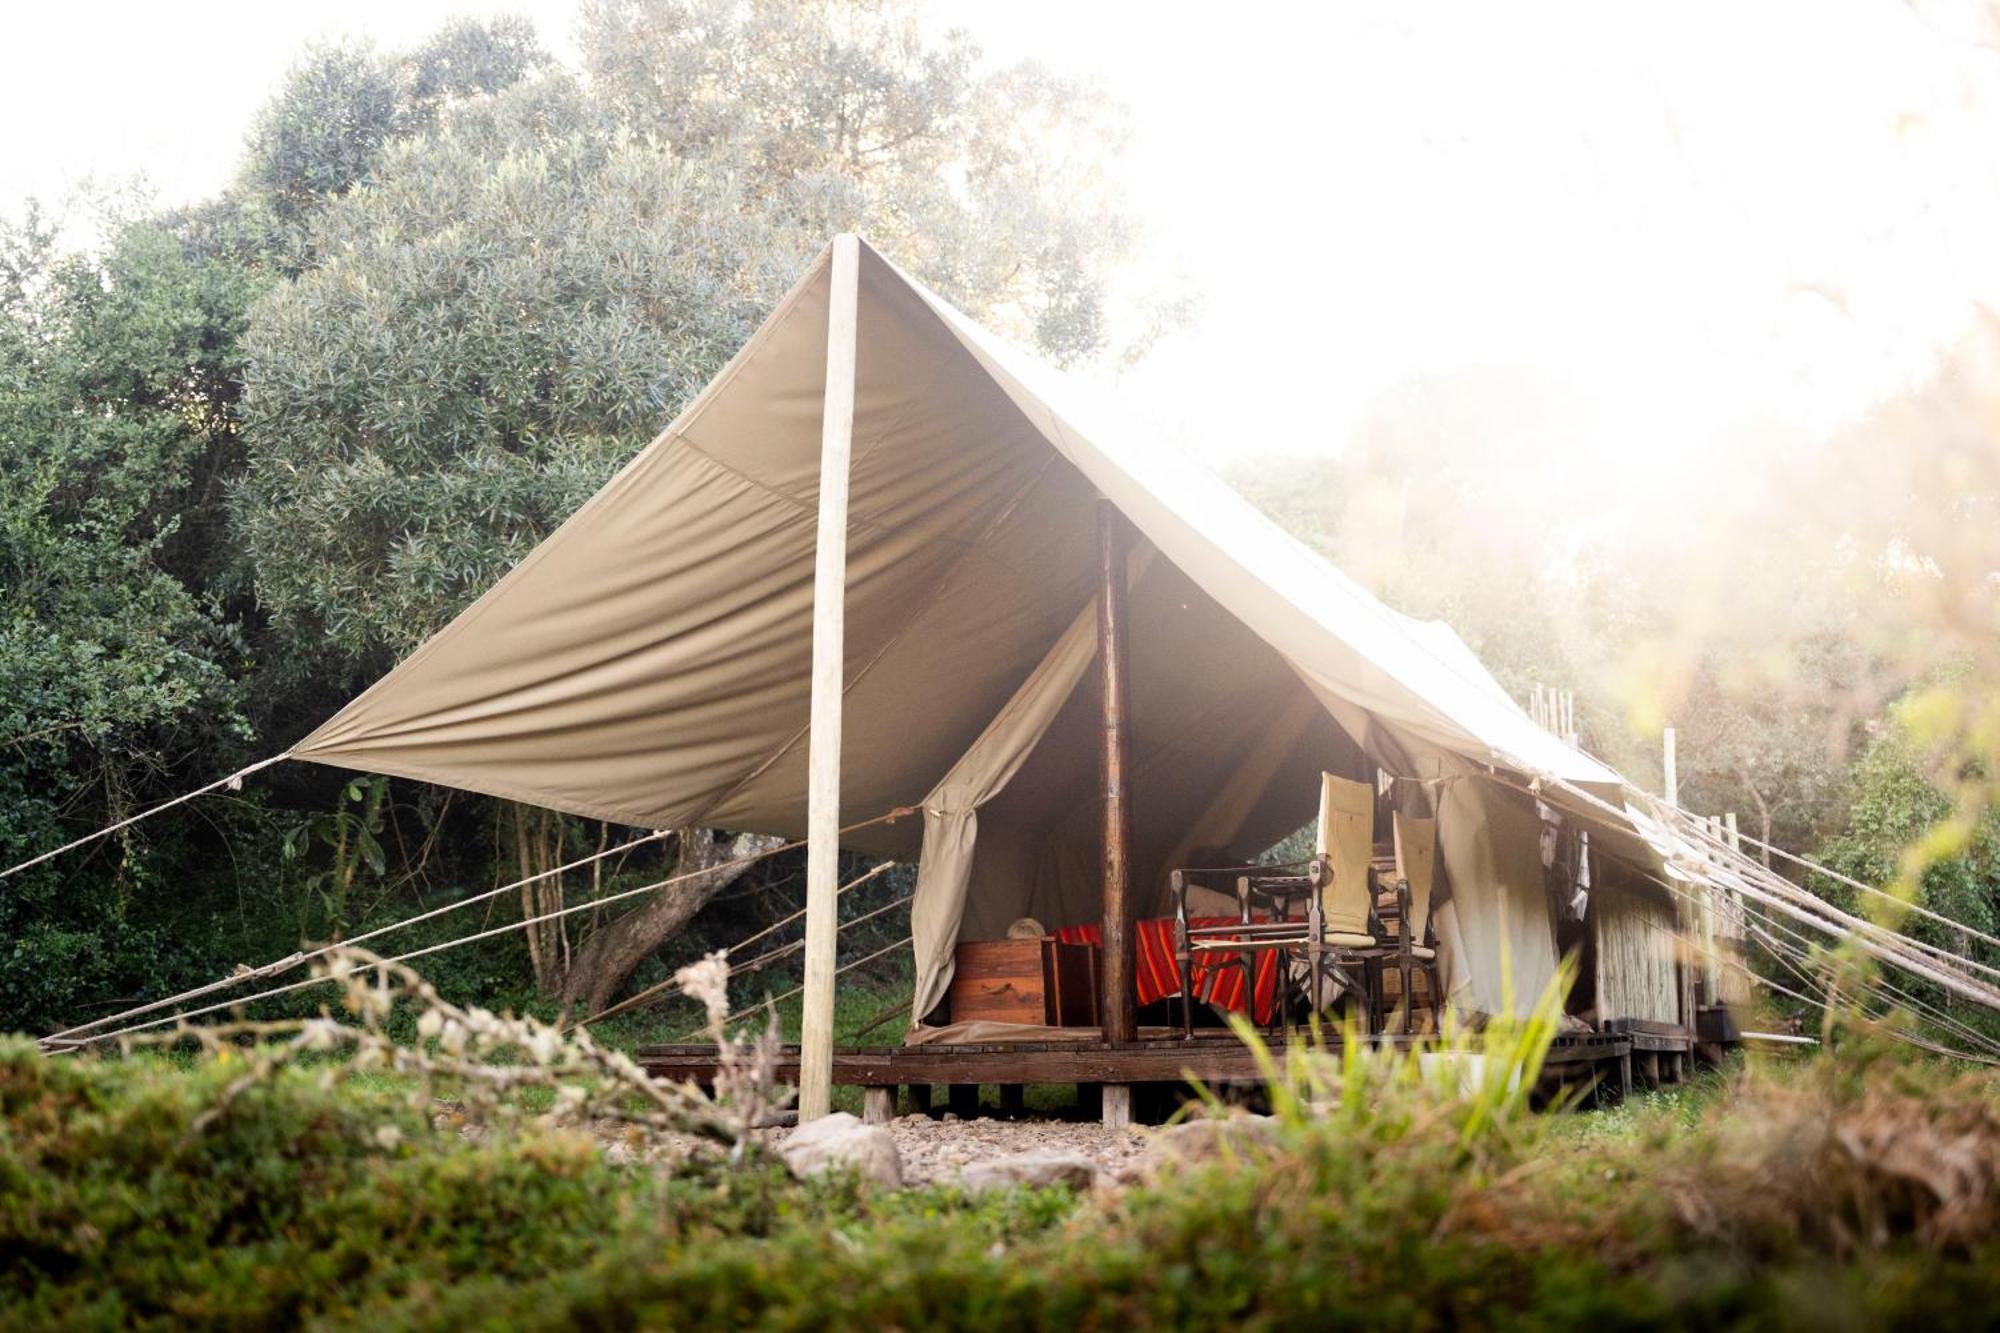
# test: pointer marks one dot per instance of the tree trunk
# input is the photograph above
(611, 953)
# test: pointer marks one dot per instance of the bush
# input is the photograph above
(1390, 1203)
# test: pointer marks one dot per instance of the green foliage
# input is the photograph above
(341, 104)
(134, 1198)
(352, 836)
(1894, 809)
(1780, 1202)
(989, 183)
(117, 396)
(119, 653)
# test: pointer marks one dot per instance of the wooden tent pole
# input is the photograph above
(1117, 997)
(1670, 787)
(828, 656)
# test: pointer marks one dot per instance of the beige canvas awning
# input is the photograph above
(649, 662)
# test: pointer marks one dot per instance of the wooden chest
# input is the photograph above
(1025, 981)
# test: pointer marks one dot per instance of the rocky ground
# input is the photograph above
(939, 1149)
(978, 1153)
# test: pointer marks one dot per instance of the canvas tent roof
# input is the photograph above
(648, 662)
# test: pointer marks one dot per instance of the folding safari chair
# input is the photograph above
(1416, 861)
(1335, 892)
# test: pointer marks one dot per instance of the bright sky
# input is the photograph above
(1675, 220)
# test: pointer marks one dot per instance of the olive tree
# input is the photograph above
(342, 103)
(992, 183)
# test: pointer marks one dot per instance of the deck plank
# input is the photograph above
(1168, 1061)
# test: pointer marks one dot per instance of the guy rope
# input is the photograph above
(87, 1034)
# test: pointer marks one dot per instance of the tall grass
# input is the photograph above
(1479, 1079)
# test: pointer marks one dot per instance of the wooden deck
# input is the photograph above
(1218, 1061)
(1662, 1053)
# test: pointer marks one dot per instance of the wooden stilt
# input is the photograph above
(878, 1105)
(1118, 999)
(828, 658)
(1117, 1105)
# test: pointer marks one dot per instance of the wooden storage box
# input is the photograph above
(998, 981)
(1025, 981)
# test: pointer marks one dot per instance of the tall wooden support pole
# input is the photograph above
(828, 655)
(1118, 995)
(1670, 787)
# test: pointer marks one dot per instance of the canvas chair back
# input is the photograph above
(1346, 839)
(1416, 859)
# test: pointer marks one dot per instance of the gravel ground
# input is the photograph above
(935, 1149)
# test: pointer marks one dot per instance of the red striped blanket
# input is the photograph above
(1158, 977)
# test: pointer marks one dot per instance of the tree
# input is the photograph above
(993, 184)
(117, 649)
(1892, 806)
(341, 104)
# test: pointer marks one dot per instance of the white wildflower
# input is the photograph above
(388, 1136)
(366, 1001)
(543, 1044)
(708, 982)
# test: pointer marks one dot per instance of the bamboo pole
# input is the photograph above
(1731, 904)
(1711, 973)
(828, 658)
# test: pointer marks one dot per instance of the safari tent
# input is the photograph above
(652, 661)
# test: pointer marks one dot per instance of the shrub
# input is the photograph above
(1845, 1193)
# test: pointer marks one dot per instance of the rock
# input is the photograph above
(1035, 1169)
(1216, 1139)
(840, 1141)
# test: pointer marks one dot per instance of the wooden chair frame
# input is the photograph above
(1276, 893)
